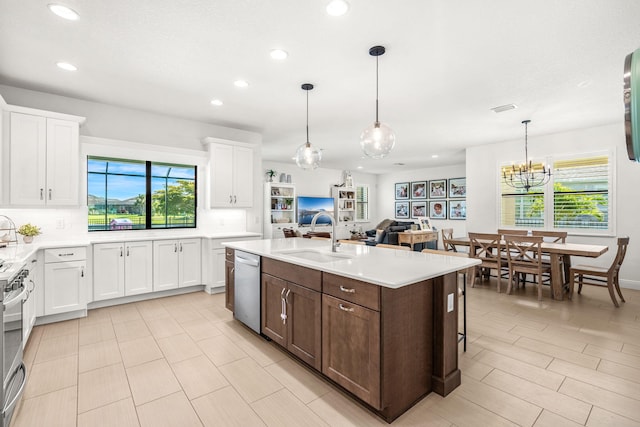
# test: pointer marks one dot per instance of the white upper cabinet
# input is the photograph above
(43, 159)
(231, 175)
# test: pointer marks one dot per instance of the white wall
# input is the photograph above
(318, 182)
(386, 194)
(483, 163)
(127, 133)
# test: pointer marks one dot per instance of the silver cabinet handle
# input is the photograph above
(180, 247)
(235, 199)
(347, 290)
(49, 194)
(127, 251)
(283, 309)
(230, 198)
(232, 270)
(42, 194)
(343, 308)
(82, 272)
(175, 247)
(120, 251)
(286, 296)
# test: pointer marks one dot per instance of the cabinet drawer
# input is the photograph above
(65, 254)
(229, 253)
(355, 291)
(304, 276)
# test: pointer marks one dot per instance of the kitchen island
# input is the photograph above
(380, 323)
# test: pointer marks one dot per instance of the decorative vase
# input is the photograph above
(27, 239)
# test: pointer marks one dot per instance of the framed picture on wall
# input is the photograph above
(457, 187)
(418, 209)
(438, 189)
(402, 190)
(402, 210)
(438, 209)
(457, 209)
(419, 190)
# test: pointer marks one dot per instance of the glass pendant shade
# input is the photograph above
(377, 140)
(308, 157)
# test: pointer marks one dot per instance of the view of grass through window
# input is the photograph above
(129, 194)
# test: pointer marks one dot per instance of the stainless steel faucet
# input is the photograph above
(334, 242)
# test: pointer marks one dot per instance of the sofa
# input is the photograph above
(387, 232)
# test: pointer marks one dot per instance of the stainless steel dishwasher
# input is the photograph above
(246, 306)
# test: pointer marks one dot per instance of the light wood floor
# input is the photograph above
(183, 361)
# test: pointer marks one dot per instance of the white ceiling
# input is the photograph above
(447, 63)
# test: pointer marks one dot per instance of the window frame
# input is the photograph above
(148, 177)
(367, 203)
(549, 193)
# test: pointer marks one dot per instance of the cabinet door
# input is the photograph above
(229, 279)
(28, 138)
(64, 287)
(272, 308)
(304, 307)
(221, 175)
(165, 265)
(62, 162)
(190, 262)
(138, 268)
(351, 348)
(108, 271)
(217, 264)
(243, 177)
(29, 306)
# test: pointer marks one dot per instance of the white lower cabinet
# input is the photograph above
(65, 280)
(122, 269)
(176, 264)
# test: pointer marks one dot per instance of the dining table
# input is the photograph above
(559, 257)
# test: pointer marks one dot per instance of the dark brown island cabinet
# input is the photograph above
(387, 347)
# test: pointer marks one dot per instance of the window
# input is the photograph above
(577, 198)
(132, 195)
(362, 203)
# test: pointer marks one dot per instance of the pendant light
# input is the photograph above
(526, 176)
(308, 157)
(378, 139)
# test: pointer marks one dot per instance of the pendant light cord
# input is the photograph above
(307, 117)
(526, 149)
(377, 121)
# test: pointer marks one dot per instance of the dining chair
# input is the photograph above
(351, 242)
(462, 336)
(601, 276)
(504, 231)
(524, 257)
(447, 235)
(487, 247)
(402, 248)
(551, 236)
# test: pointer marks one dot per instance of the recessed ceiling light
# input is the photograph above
(66, 66)
(241, 83)
(584, 83)
(64, 12)
(337, 7)
(503, 108)
(216, 102)
(360, 167)
(279, 54)
(434, 156)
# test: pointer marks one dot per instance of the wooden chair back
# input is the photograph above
(401, 248)
(447, 235)
(524, 256)
(504, 232)
(623, 242)
(551, 236)
(487, 247)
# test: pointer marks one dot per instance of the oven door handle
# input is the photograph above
(13, 301)
(9, 406)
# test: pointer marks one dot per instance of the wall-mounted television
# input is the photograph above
(308, 206)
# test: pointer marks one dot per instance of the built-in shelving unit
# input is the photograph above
(280, 208)
(345, 204)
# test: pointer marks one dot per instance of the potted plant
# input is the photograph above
(289, 203)
(28, 232)
(271, 173)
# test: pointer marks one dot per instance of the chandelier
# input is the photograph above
(526, 176)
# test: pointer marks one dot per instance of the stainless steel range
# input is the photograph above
(14, 373)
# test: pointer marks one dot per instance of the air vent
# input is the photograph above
(503, 108)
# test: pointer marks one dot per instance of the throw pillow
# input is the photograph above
(384, 224)
(380, 236)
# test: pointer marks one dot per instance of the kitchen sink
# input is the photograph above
(313, 255)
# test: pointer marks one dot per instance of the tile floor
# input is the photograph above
(183, 361)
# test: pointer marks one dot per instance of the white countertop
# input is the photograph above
(391, 268)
